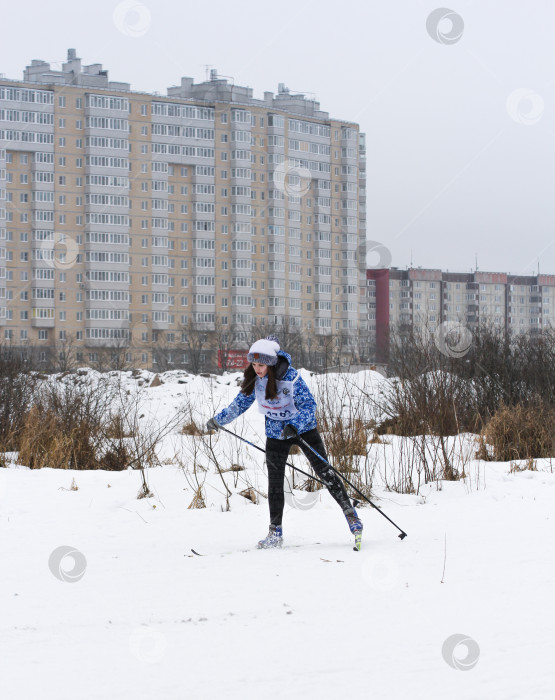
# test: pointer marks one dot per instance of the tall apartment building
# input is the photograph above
(130, 220)
(424, 299)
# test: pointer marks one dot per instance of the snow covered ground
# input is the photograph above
(133, 614)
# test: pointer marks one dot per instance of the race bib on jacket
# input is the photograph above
(282, 407)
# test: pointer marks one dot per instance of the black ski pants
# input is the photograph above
(277, 452)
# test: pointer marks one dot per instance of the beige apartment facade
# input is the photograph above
(173, 230)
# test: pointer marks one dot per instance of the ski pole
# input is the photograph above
(403, 533)
(260, 449)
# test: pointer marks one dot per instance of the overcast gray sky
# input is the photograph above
(460, 128)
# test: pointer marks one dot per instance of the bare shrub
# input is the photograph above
(429, 394)
(204, 452)
(144, 491)
(508, 370)
(234, 468)
(209, 444)
(135, 441)
(439, 394)
(73, 486)
(429, 403)
(191, 428)
(89, 422)
(198, 500)
(344, 440)
(309, 485)
(66, 425)
(482, 452)
(345, 420)
(116, 428)
(529, 465)
(499, 368)
(116, 457)
(17, 388)
(189, 458)
(522, 432)
(219, 452)
(340, 422)
(250, 495)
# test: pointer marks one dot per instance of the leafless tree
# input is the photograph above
(223, 343)
(196, 343)
(64, 358)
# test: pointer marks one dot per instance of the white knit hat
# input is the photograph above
(264, 351)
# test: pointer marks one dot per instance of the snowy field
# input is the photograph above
(460, 609)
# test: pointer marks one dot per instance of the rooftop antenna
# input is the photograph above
(207, 67)
(411, 258)
(284, 90)
(476, 254)
(227, 76)
(311, 95)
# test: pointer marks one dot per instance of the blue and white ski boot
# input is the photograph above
(355, 526)
(273, 539)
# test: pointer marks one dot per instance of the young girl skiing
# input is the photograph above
(290, 411)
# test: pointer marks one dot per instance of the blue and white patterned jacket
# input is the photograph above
(304, 420)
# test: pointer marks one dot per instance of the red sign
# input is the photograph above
(232, 359)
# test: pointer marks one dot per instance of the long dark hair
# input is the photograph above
(249, 377)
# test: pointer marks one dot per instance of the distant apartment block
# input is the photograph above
(129, 220)
(424, 299)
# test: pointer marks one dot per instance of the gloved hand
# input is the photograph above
(212, 424)
(289, 431)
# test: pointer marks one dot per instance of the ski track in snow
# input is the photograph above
(150, 620)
